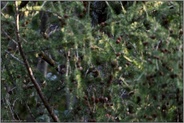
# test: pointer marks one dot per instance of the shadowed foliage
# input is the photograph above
(98, 61)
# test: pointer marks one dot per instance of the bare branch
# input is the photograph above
(47, 59)
(30, 112)
(14, 57)
(5, 6)
(9, 36)
(29, 70)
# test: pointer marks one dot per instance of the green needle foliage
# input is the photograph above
(127, 68)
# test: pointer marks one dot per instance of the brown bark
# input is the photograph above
(47, 59)
(29, 70)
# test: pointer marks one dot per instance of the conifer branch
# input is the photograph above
(29, 70)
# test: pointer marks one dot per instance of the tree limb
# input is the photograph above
(29, 70)
(47, 59)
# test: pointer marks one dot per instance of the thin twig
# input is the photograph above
(9, 36)
(40, 7)
(29, 70)
(13, 105)
(30, 112)
(9, 105)
(89, 8)
(14, 57)
(124, 11)
(4, 6)
(43, 4)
